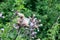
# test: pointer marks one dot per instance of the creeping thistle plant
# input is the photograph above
(29, 25)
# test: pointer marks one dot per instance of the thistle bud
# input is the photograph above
(33, 33)
(15, 26)
(26, 28)
(34, 15)
(41, 25)
(39, 20)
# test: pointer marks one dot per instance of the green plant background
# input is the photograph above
(46, 10)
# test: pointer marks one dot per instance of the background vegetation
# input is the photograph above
(46, 10)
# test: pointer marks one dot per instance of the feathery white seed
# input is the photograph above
(2, 29)
(38, 39)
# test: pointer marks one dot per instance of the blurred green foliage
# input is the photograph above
(46, 10)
